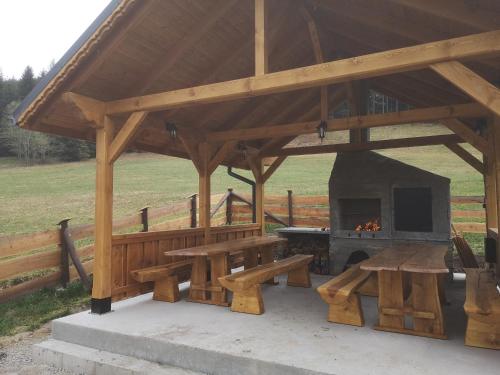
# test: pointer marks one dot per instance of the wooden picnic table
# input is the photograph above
(211, 292)
(410, 282)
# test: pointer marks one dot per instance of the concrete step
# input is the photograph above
(84, 360)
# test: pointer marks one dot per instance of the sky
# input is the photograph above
(38, 32)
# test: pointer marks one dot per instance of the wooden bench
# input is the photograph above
(245, 285)
(482, 306)
(165, 278)
(340, 293)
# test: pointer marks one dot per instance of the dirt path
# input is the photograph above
(16, 354)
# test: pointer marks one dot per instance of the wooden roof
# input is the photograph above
(151, 46)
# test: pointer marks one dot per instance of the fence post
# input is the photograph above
(193, 199)
(64, 253)
(290, 208)
(229, 207)
(69, 251)
(144, 219)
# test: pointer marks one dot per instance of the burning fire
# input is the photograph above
(371, 226)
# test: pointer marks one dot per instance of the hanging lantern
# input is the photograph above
(171, 129)
(322, 128)
(242, 148)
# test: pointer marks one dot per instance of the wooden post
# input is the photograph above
(496, 136)
(204, 186)
(290, 208)
(490, 193)
(261, 45)
(193, 210)
(258, 172)
(64, 253)
(101, 291)
(229, 207)
(145, 219)
(358, 97)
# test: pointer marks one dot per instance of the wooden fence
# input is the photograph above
(33, 261)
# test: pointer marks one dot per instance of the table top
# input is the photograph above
(412, 257)
(230, 247)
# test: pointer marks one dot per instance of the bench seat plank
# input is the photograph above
(246, 285)
(165, 278)
(340, 295)
(159, 272)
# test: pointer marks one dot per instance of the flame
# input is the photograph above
(370, 226)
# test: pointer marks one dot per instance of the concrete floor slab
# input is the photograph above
(292, 337)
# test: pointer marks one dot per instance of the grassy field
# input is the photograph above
(37, 198)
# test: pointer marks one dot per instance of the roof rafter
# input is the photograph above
(376, 64)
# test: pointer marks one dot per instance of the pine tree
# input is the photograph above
(26, 83)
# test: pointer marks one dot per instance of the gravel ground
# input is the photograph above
(16, 354)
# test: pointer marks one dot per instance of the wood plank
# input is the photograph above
(467, 134)
(372, 65)
(373, 145)
(470, 83)
(229, 246)
(426, 259)
(261, 42)
(101, 288)
(390, 259)
(359, 122)
(23, 243)
(273, 167)
(125, 135)
(466, 156)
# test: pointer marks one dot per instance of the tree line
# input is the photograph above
(28, 146)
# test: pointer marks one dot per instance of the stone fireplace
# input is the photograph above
(376, 201)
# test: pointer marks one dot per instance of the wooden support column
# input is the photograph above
(261, 44)
(204, 189)
(357, 97)
(490, 185)
(257, 167)
(496, 137)
(101, 290)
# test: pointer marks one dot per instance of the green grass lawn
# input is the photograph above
(37, 198)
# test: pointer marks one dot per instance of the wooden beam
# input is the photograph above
(496, 157)
(318, 53)
(490, 186)
(173, 55)
(125, 135)
(471, 83)
(101, 289)
(220, 155)
(463, 154)
(261, 42)
(374, 145)
(467, 134)
(257, 167)
(372, 65)
(93, 110)
(204, 190)
(273, 167)
(362, 122)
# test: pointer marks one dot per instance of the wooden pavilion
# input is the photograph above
(233, 82)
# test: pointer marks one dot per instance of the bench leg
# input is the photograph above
(347, 312)
(166, 290)
(482, 334)
(299, 277)
(248, 301)
(266, 257)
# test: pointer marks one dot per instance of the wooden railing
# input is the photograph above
(140, 250)
(30, 262)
